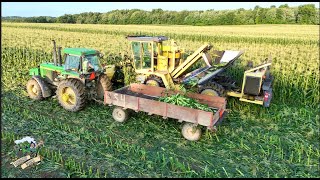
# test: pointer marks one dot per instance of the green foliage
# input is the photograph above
(67, 18)
(284, 6)
(307, 14)
(182, 100)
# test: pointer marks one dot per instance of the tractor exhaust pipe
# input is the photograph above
(59, 56)
(54, 53)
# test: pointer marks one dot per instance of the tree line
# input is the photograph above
(303, 14)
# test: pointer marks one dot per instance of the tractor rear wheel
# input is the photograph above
(103, 84)
(71, 94)
(213, 89)
(34, 90)
(153, 80)
(191, 132)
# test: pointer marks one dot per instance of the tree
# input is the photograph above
(261, 16)
(317, 20)
(67, 18)
(270, 16)
(280, 16)
(138, 17)
(307, 14)
(289, 14)
(284, 6)
(182, 15)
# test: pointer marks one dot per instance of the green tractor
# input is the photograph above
(79, 79)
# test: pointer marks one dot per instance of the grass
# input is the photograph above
(91, 144)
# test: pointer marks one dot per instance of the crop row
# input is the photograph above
(208, 35)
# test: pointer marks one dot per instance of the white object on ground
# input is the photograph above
(27, 138)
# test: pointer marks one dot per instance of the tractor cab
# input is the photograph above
(154, 53)
(80, 63)
(81, 60)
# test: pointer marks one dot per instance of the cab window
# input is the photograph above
(147, 52)
(72, 62)
(136, 48)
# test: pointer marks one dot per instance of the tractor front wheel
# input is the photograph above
(191, 132)
(34, 90)
(71, 95)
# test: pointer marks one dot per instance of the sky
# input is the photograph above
(29, 9)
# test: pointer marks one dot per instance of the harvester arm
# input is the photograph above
(204, 74)
(229, 57)
(193, 58)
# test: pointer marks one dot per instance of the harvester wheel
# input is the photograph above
(153, 80)
(191, 132)
(71, 95)
(103, 84)
(34, 90)
(213, 89)
(119, 114)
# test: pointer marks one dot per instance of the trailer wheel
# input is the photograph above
(119, 114)
(191, 132)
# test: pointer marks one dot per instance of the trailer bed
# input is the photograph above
(140, 97)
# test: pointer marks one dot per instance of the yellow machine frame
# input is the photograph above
(252, 73)
(170, 64)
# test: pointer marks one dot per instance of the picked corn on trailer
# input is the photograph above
(140, 97)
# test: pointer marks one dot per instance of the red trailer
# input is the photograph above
(140, 97)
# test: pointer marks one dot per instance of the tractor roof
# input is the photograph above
(79, 51)
(147, 38)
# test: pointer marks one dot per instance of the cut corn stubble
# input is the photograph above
(30, 162)
(21, 160)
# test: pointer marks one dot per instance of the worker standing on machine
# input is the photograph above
(87, 65)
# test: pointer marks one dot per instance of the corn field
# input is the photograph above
(280, 141)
